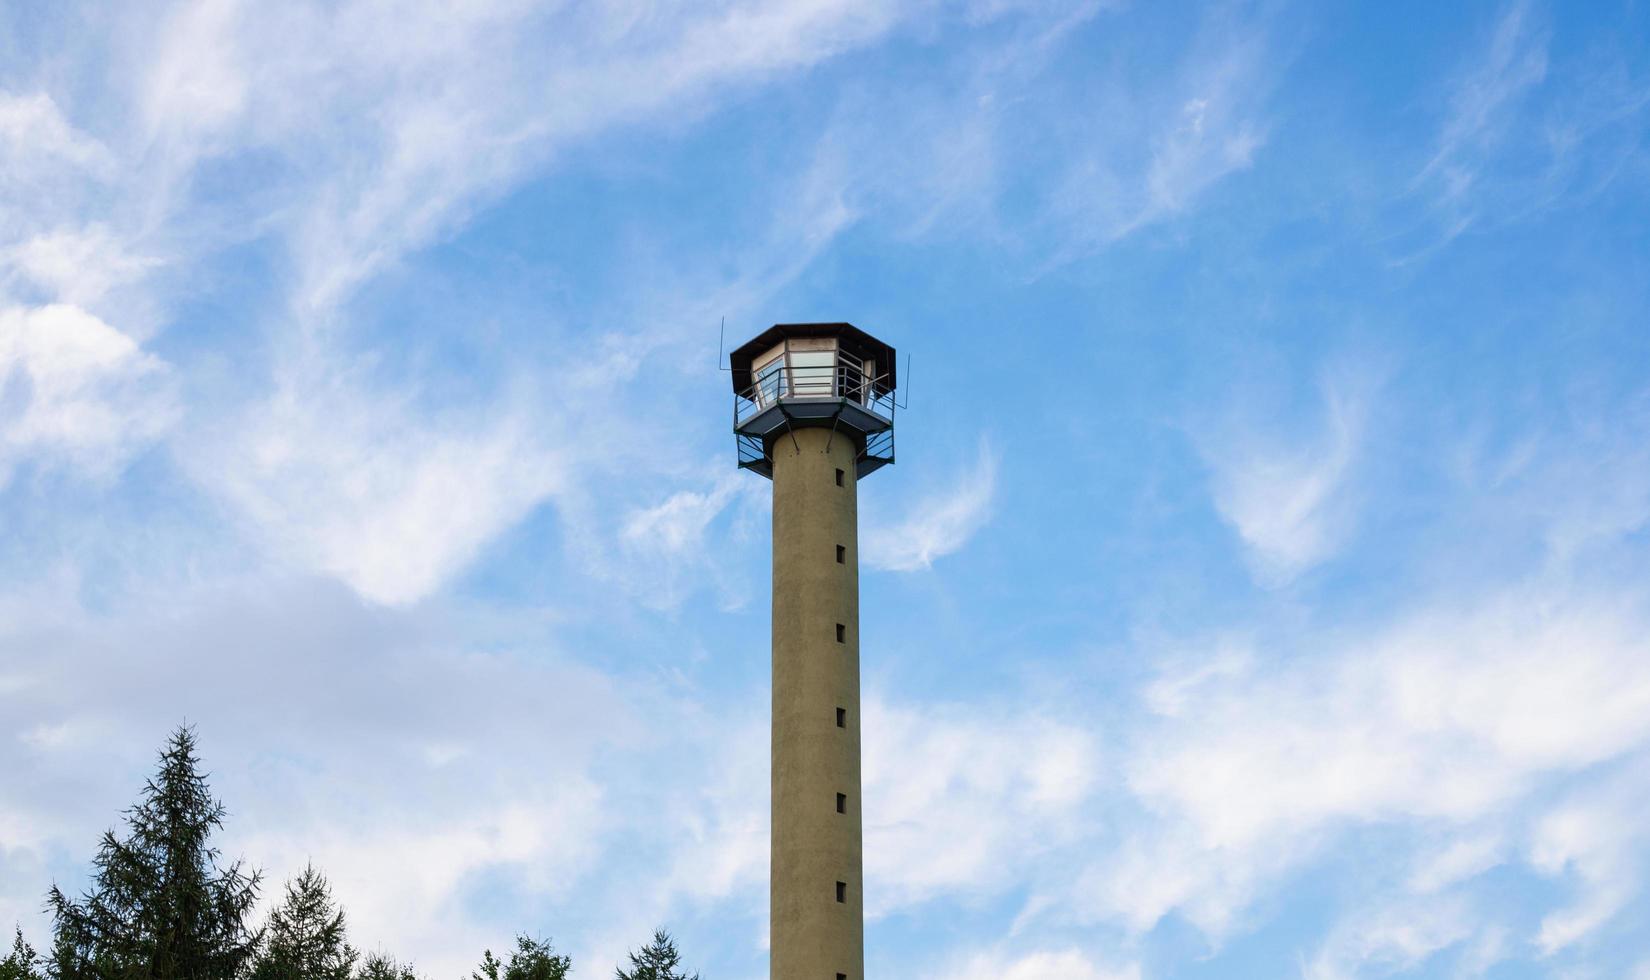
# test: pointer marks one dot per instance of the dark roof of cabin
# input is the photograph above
(849, 337)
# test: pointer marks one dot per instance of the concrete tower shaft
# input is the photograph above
(816, 903)
(813, 408)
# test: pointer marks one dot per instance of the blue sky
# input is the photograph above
(1260, 591)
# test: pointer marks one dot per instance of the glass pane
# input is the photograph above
(770, 381)
(811, 371)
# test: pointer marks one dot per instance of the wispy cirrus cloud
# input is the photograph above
(663, 547)
(1398, 937)
(1483, 107)
(38, 141)
(1514, 62)
(1596, 839)
(372, 139)
(939, 524)
(1520, 135)
(393, 128)
(956, 796)
(1152, 154)
(338, 475)
(1285, 491)
(76, 391)
(1452, 722)
(1067, 964)
(373, 133)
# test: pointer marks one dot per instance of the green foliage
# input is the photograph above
(658, 960)
(61, 964)
(304, 939)
(22, 964)
(160, 906)
(381, 967)
(532, 960)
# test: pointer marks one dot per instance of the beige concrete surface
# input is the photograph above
(812, 936)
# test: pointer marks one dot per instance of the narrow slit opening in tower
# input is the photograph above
(839, 476)
(841, 555)
(842, 891)
(842, 802)
(842, 717)
(841, 633)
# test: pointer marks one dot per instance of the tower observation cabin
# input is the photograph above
(813, 375)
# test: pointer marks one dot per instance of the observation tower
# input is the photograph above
(813, 410)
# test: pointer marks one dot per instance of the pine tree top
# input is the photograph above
(22, 963)
(305, 937)
(533, 959)
(658, 960)
(160, 905)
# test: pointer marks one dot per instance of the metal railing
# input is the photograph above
(844, 380)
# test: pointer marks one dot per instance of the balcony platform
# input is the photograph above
(759, 425)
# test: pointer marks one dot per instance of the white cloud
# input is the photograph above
(194, 79)
(35, 138)
(1285, 495)
(1153, 150)
(663, 549)
(939, 524)
(77, 266)
(407, 127)
(958, 798)
(1597, 838)
(1480, 104)
(1214, 133)
(399, 903)
(1459, 859)
(75, 390)
(349, 479)
(1065, 964)
(678, 524)
(51, 176)
(1518, 139)
(375, 131)
(1394, 938)
(1445, 720)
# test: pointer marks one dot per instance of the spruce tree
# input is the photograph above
(61, 965)
(532, 960)
(658, 960)
(22, 964)
(304, 939)
(160, 907)
(381, 967)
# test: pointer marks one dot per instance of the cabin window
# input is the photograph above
(811, 372)
(770, 381)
